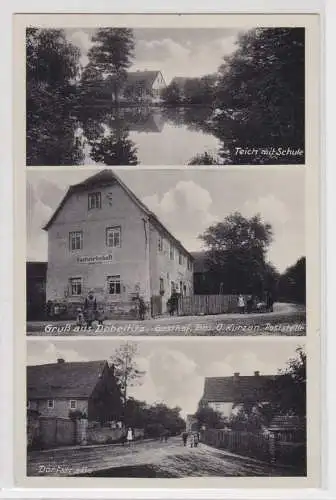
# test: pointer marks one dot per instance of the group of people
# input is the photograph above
(91, 312)
(191, 438)
(251, 303)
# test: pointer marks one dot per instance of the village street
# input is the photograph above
(286, 319)
(146, 459)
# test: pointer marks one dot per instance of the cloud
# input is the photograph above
(187, 208)
(167, 369)
(244, 362)
(271, 209)
(83, 41)
(160, 50)
(52, 352)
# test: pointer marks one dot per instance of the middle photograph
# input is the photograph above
(118, 252)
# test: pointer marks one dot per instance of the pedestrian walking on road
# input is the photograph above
(184, 438)
(129, 436)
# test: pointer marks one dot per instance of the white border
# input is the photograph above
(6, 402)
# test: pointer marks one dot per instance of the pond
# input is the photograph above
(146, 136)
(99, 134)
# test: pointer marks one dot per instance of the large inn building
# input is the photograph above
(103, 238)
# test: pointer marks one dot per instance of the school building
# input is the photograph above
(102, 238)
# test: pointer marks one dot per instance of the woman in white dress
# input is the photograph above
(129, 436)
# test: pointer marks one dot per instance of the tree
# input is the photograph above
(207, 416)
(236, 251)
(126, 368)
(110, 57)
(261, 93)
(292, 283)
(52, 67)
(172, 94)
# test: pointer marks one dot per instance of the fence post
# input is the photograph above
(272, 447)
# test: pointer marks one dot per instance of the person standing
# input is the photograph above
(184, 438)
(90, 308)
(241, 303)
(129, 436)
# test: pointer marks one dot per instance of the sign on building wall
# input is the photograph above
(95, 259)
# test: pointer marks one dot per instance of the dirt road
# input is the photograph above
(147, 459)
(286, 319)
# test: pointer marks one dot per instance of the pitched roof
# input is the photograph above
(63, 380)
(144, 79)
(109, 177)
(236, 389)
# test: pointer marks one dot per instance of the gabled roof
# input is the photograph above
(63, 380)
(179, 81)
(143, 79)
(108, 177)
(236, 389)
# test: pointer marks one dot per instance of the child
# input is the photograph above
(80, 321)
(100, 314)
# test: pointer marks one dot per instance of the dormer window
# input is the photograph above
(94, 201)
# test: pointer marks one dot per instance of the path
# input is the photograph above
(146, 459)
(286, 319)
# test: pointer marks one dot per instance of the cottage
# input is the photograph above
(57, 389)
(227, 394)
(102, 238)
(144, 86)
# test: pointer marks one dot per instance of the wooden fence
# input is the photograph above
(197, 305)
(265, 447)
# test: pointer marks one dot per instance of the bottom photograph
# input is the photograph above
(168, 408)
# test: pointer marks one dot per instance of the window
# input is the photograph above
(113, 237)
(161, 286)
(73, 404)
(180, 259)
(50, 403)
(172, 287)
(171, 252)
(94, 200)
(76, 240)
(189, 265)
(113, 285)
(76, 286)
(160, 243)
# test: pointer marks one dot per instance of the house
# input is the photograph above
(144, 86)
(57, 389)
(227, 394)
(102, 238)
(191, 423)
(36, 278)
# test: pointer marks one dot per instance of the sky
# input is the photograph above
(174, 51)
(175, 368)
(189, 201)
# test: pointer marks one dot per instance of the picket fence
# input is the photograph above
(197, 305)
(264, 447)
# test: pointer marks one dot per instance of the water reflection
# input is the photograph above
(106, 135)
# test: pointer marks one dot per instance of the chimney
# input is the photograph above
(236, 375)
(60, 361)
(256, 374)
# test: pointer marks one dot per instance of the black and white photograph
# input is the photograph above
(166, 252)
(166, 409)
(165, 96)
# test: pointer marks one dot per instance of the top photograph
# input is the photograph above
(165, 96)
